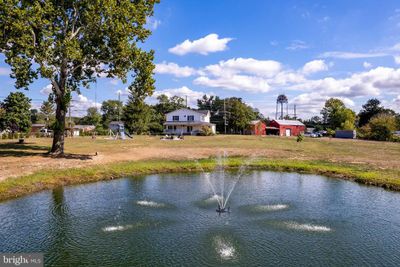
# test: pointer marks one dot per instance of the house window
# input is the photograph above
(189, 129)
(169, 127)
(175, 118)
(174, 127)
(190, 118)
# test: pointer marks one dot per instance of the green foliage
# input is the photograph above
(370, 109)
(112, 111)
(93, 117)
(238, 115)
(300, 138)
(71, 43)
(337, 116)
(206, 131)
(47, 114)
(17, 114)
(380, 128)
(136, 114)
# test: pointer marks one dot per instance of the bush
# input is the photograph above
(379, 128)
(300, 138)
(206, 131)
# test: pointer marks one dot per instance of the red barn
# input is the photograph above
(287, 127)
(256, 128)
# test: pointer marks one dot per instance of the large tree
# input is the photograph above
(73, 42)
(93, 117)
(337, 116)
(370, 109)
(47, 112)
(17, 114)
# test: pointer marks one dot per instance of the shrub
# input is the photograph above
(206, 131)
(300, 137)
(380, 128)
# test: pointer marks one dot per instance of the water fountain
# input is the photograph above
(221, 187)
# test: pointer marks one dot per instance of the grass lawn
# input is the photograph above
(27, 168)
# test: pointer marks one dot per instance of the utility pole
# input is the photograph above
(119, 107)
(186, 101)
(295, 115)
(224, 117)
(70, 122)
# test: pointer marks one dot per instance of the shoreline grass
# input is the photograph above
(49, 179)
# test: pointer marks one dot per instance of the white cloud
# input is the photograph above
(81, 103)
(314, 66)
(208, 44)
(183, 92)
(114, 81)
(297, 45)
(351, 55)
(235, 82)
(265, 68)
(367, 65)
(4, 71)
(153, 23)
(396, 59)
(48, 89)
(174, 69)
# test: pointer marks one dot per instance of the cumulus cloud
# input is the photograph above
(396, 59)
(48, 89)
(183, 92)
(208, 44)
(174, 69)
(153, 23)
(351, 55)
(235, 82)
(367, 65)
(314, 66)
(81, 103)
(297, 45)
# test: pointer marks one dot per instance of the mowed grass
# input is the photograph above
(375, 163)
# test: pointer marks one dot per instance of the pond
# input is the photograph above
(170, 219)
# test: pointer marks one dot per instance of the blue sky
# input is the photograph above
(308, 50)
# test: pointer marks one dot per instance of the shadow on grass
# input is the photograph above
(29, 149)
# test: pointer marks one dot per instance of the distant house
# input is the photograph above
(78, 129)
(346, 134)
(37, 127)
(186, 121)
(256, 127)
(286, 127)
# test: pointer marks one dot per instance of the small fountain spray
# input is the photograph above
(225, 187)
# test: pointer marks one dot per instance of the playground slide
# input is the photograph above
(128, 135)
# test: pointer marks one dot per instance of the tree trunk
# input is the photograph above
(59, 129)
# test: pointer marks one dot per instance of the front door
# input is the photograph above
(287, 132)
(189, 129)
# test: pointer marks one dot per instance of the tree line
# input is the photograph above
(230, 114)
(373, 122)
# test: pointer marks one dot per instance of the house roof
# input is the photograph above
(38, 125)
(201, 111)
(84, 127)
(255, 122)
(116, 122)
(289, 122)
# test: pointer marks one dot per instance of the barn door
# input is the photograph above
(287, 132)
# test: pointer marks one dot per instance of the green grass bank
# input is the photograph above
(49, 179)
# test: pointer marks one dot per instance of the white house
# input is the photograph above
(187, 121)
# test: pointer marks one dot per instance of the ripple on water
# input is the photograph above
(307, 227)
(224, 248)
(149, 203)
(262, 208)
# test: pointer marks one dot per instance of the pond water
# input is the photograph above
(160, 220)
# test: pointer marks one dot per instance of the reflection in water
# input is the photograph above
(170, 220)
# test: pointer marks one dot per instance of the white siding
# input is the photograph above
(184, 113)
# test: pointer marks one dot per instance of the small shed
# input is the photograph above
(346, 134)
(256, 127)
(287, 127)
(37, 127)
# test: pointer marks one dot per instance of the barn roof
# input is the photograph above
(289, 122)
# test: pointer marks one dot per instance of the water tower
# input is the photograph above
(281, 100)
